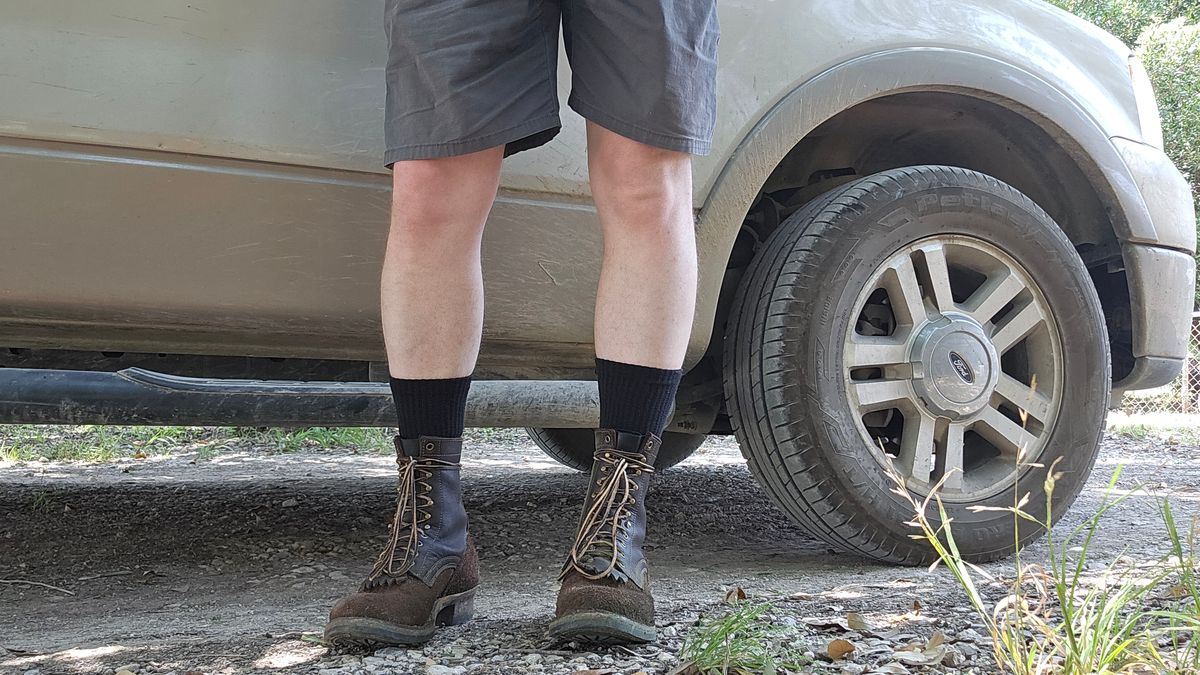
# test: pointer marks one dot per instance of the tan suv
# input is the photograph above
(933, 235)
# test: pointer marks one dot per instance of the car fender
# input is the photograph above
(880, 74)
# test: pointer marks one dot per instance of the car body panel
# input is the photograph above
(301, 81)
(205, 177)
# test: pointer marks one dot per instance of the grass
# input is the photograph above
(31, 443)
(25, 443)
(1169, 428)
(1062, 618)
(743, 641)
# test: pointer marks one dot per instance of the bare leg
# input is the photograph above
(644, 312)
(647, 292)
(432, 286)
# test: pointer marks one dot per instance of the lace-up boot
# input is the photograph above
(605, 595)
(427, 573)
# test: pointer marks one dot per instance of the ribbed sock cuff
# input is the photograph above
(636, 399)
(431, 407)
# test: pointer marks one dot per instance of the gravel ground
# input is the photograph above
(228, 563)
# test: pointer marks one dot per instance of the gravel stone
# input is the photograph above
(252, 548)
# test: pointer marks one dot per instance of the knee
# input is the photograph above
(441, 199)
(641, 180)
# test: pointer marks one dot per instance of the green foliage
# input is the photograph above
(1128, 18)
(1171, 53)
(743, 641)
(1166, 34)
(29, 442)
(1132, 616)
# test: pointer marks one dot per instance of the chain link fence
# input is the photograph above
(1179, 397)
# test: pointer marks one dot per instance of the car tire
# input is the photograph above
(830, 380)
(574, 447)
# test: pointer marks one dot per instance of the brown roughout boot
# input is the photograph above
(426, 576)
(605, 595)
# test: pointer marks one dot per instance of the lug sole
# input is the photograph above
(354, 633)
(601, 628)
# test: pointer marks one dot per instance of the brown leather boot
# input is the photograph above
(426, 576)
(605, 595)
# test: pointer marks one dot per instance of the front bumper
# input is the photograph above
(1160, 268)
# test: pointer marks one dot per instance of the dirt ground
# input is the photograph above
(229, 563)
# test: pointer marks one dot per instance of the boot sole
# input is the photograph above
(353, 633)
(601, 628)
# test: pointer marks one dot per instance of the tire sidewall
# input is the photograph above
(885, 222)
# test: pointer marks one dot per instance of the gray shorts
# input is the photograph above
(466, 75)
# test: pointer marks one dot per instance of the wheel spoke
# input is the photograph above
(916, 448)
(881, 394)
(952, 465)
(904, 292)
(1024, 397)
(1003, 432)
(939, 277)
(875, 352)
(993, 295)
(1017, 327)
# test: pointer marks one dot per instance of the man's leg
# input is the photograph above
(644, 310)
(647, 292)
(432, 300)
(432, 286)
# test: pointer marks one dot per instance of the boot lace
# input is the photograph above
(607, 513)
(411, 518)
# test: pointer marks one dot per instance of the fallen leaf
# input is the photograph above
(838, 649)
(734, 595)
(953, 658)
(935, 640)
(916, 607)
(856, 621)
(139, 455)
(1176, 592)
(922, 658)
(827, 622)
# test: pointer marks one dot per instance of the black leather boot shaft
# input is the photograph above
(613, 526)
(429, 531)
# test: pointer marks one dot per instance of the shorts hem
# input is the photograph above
(475, 144)
(688, 144)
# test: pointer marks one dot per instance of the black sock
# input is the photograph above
(431, 407)
(637, 399)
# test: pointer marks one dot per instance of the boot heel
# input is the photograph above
(458, 609)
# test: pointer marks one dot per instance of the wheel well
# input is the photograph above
(953, 129)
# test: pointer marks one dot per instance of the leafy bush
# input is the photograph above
(1166, 34)
(1172, 55)
(1128, 18)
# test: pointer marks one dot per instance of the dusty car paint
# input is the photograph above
(204, 176)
